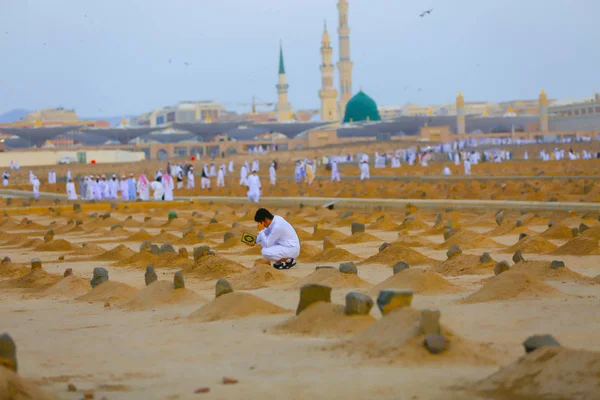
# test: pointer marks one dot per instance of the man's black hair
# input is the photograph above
(262, 214)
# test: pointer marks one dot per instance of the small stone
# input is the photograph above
(228, 236)
(454, 250)
(229, 381)
(94, 215)
(78, 222)
(222, 287)
(553, 199)
(213, 221)
(408, 219)
(150, 275)
(77, 207)
(346, 214)
(328, 244)
(178, 281)
(49, 236)
(200, 252)
(556, 264)
(358, 304)
(551, 223)
(146, 219)
(438, 219)
(357, 227)
(36, 263)
(154, 249)
(435, 343)
(88, 395)
(449, 232)
(202, 390)
(324, 267)
(106, 304)
(6, 259)
(348, 268)
(183, 253)
(71, 387)
(392, 299)
(522, 235)
(105, 216)
(99, 275)
(501, 267)
(519, 223)
(583, 227)
(384, 246)
(200, 235)
(167, 248)
(518, 257)
(430, 322)
(61, 258)
(146, 245)
(575, 231)
(172, 215)
(500, 217)
(535, 342)
(68, 272)
(485, 258)
(313, 293)
(400, 266)
(8, 352)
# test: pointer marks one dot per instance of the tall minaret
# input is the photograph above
(327, 94)
(283, 108)
(344, 65)
(460, 114)
(543, 112)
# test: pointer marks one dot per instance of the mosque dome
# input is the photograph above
(361, 108)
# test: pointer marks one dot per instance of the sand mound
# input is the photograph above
(302, 234)
(593, 232)
(214, 267)
(121, 252)
(508, 285)
(16, 240)
(231, 243)
(361, 237)
(307, 251)
(325, 319)
(166, 260)
(546, 373)
(131, 223)
(71, 286)
(117, 232)
(11, 270)
(418, 280)
(13, 387)
(35, 280)
(413, 225)
(411, 241)
(333, 234)
(165, 237)
(31, 243)
(89, 250)
(542, 270)
(464, 264)
(579, 246)
(469, 240)
(139, 236)
(235, 305)
(160, 294)
(216, 227)
(190, 238)
(532, 245)
(394, 253)
(260, 276)
(334, 255)
(109, 291)
(55, 245)
(508, 229)
(483, 220)
(383, 224)
(333, 278)
(254, 251)
(557, 231)
(397, 337)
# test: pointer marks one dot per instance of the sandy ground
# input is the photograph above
(162, 354)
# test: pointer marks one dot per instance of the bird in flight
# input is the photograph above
(187, 64)
(426, 12)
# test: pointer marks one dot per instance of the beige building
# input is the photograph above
(283, 109)
(185, 111)
(390, 112)
(51, 115)
(344, 65)
(327, 94)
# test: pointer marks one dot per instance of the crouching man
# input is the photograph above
(279, 241)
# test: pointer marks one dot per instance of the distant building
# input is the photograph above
(184, 112)
(390, 112)
(54, 117)
(583, 115)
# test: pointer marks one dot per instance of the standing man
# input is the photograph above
(124, 188)
(244, 175)
(279, 240)
(213, 170)
(272, 174)
(205, 180)
(71, 193)
(68, 176)
(364, 169)
(5, 178)
(113, 188)
(131, 185)
(254, 188)
(36, 187)
(335, 171)
(191, 184)
(221, 176)
(231, 166)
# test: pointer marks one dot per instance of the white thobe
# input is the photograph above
(272, 175)
(113, 189)
(71, 193)
(364, 171)
(335, 172)
(231, 166)
(254, 188)
(124, 187)
(279, 241)
(158, 190)
(243, 176)
(89, 190)
(168, 187)
(191, 180)
(36, 188)
(221, 177)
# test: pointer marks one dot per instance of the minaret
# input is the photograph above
(344, 65)
(460, 114)
(283, 108)
(543, 112)
(327, 94)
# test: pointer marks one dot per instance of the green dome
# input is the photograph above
(361, 108)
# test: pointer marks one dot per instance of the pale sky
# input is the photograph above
(111, 57)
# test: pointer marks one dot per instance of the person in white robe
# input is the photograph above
(191, 183)
(278, 238)
(231, 166)
(51, 177)
(131, 187)
(17, 165)
(113, 188)
(168, 186)
(213, 170)
(467, 166)
(254, 188)
(335, 171)
(158, 175)
(71, 193)
(101, 188)
(204, 178)
(221, 176)
(243, 175)
(143, 188)
(68, 176)
(179, 176)
(5, 178)
(89, 189)
(364, 170)
(272, 174)
(36, 187)
(31, 176)
(158, 189)
(526, 156)
(255, 166)
(124, 188)
(446, 171)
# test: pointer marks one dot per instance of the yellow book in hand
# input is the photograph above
(248, 238)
